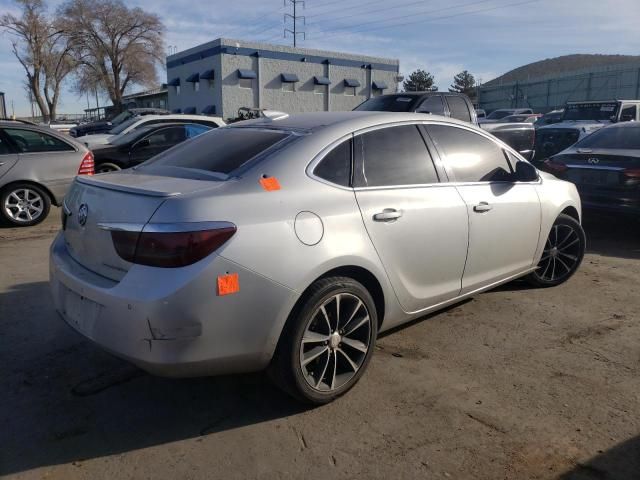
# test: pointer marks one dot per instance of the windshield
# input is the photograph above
(121, 117)
(131, 136)
(498, 114)
(515, 118)
(390, 103)
(221, 150)
(123, 126)
(590, 111)
(614, 138)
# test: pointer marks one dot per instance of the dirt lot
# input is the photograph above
(515, 384)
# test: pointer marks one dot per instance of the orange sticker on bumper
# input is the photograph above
(270, 184)
(228, 284)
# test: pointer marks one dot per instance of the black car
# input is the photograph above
(447, 104)
(143, 143)
(605, 166)
(103, 126)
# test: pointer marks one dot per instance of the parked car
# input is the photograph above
(143, 143)
(500, 113)
(289, 243)
(447, 104)
(93, 141)
(37, 165)
(605, 166)
(481, 113)
(103, 126)
(549, 118)
(521, 118)
(581, 119)
(60, 126)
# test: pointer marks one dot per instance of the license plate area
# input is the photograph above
(594, 177)
(80, 312)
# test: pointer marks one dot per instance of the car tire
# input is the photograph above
(24, 204)
(107, 167)
(562, 255)
(327, 342)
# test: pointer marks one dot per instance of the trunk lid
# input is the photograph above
(124, 197)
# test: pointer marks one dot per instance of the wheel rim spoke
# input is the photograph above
(333, 348)
(560, 254)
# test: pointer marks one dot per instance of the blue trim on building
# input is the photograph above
(379, 85)
(244, 73)
(176, 110)
(351, 82)
(190, 110)
(174, 83)
(208, 75)
(292, 57)
(321, 80)
(209, 110)
(193, 78)
(289, 77)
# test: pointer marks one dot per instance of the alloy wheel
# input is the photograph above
(335, 342)
(561, 253)
(24, 205)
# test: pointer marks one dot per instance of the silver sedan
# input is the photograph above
(289, 243)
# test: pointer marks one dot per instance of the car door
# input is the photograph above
(418, 225)
(156, 142)
(458, 108)
(504, 215)
(8, 155)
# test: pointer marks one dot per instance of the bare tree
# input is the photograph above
(29, 34)
(57, 65)
(116, 46)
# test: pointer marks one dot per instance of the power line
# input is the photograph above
(358, 5)
(258, 25)
(294, 21)
(382, 27)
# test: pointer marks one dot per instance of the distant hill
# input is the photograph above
(562, 65)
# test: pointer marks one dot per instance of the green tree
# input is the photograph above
(419, 81)
(464, 82)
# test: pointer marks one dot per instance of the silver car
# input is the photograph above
(37, 166)
(291, 242)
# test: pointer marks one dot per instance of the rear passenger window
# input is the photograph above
(433, 105)
(392, 156)
(335, 167)
(471, 156)
(4, 147)
(33, 141)
(459, 109)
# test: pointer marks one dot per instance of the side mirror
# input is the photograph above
(525, 172)
(613, 119)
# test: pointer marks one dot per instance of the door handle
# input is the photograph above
(1, 163)
(387, 215)
(482, 207)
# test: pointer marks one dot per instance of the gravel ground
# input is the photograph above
(517, 383)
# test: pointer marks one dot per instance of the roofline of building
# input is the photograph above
(280, 52)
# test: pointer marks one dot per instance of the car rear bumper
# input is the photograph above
(172, 322)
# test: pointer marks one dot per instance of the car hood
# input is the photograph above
(586, 126)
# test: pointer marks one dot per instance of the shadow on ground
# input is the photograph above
(612, 235)
(621, 462)
(65, 400)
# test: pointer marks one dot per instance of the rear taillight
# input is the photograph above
(169, 249)
(632, 172)
(554, 167)
(87, 165)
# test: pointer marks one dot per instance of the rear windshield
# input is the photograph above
(124, 125)
(395, 103)
(590, 111)
(222, 150)
(614, 138)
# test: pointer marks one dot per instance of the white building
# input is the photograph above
(221, 76)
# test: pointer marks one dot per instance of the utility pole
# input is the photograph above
(294, 20)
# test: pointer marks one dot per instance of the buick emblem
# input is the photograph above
(593, 160)
(83, 212)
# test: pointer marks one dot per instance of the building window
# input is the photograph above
(350, 91)
(245, 82)
(210, 84)
(321, 89)
(288, 87)
(177, 89)
(196, 86)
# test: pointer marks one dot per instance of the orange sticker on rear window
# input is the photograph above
(270, 184)
(228, 284)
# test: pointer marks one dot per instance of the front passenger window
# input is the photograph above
(471, 156)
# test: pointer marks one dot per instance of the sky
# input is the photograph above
(444, 37)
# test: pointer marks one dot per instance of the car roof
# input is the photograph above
(351, 120)
(44, 129)
(178, 117)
